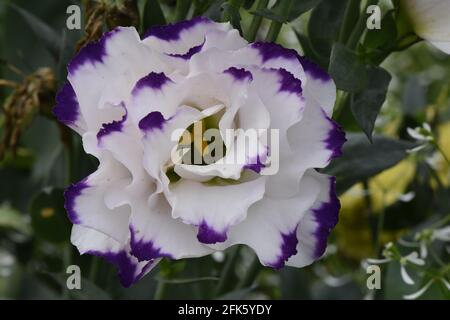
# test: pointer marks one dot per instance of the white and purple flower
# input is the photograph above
(126, 96)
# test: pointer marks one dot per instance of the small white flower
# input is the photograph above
(442, 234)
(407, 197)
(420, 292)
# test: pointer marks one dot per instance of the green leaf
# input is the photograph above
(248, 4)
(346, 70)
(152, 15)
(308, 50)
(10, 218)
(324, 24)
(362, 159)
(366, 104)
(298, 8)
(269, 14)
(382, 38)
(48, 216)
(44, 32)
(214, 11)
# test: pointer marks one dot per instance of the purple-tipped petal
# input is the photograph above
(189, 54)
(289, 83)
(171, 32)
(145, 250)
(269, 51)
(335, 138)
(288, 249)
(208, 235)
(154, 120)
(239, 74)
(93, 52)
(127, 269)
(67, 109)
(314, 70)
(108, 128)
(71, 194)
(153, 80)
(326, 216)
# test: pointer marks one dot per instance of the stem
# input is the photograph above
(251, 274)
(227, 271)
(160, 290)
(256, 21)
(351, 16)
(182, 9)
(380, 225)
(95, 263)
(341, 101)
(360, 27)
(67, 261)
(275, 26)
(232, 3)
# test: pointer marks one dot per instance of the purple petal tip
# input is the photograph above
(70, 195)
(208, 235)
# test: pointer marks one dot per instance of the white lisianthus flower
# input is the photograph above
(430, 21)
(133, 100)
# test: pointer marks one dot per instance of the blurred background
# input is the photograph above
(395, 191)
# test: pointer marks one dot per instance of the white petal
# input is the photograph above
(67, 109)
(429, 18)
(154, 233)
(313, 143)
(413, 257)
(415, 295)
(85, 204)
(378, 261)
(180, 37)
(214, 209)
(316, 225)
(271, 225)
(442, 45)
(104, 72)
(319, 86)
(93, 242)
(405, 276)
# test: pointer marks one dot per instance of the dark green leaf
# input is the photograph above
(45, 33)
(367, 104)
(48, 216)
(308, 50)
(248, 4)
(384, 37)
(347, 71)
(152, 15)
(324, 24)
(362, 159)
(298, 7)
(269, 14)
